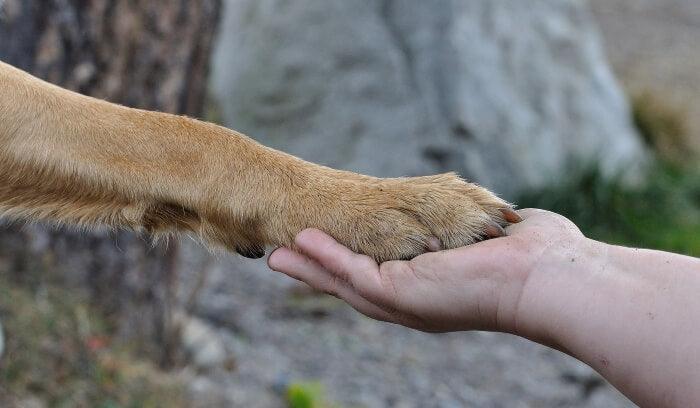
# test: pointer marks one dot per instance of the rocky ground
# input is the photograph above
(276, 333)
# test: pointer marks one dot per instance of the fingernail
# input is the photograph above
(434, 244)
(495, 231)
(511, 216)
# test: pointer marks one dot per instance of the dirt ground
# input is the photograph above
(654, 47)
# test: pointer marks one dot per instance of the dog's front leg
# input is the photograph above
(75, 159)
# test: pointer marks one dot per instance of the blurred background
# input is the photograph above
(587, 108)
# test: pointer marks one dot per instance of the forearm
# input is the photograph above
(630, 314)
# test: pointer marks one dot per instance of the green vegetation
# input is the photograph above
(663, 127)
(663, 213)
(58, 350)
(306, 395)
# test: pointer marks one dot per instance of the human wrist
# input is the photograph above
(557, 287)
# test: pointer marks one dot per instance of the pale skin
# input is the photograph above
(631, 314)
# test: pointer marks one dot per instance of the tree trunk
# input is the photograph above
(146, 54)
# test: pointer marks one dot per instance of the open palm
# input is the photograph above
(477, 287)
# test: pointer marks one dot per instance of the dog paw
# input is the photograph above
(392, 219)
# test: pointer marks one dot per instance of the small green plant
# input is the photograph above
(306, 395)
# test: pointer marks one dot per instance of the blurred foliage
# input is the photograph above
(664, 127)
(662, 213)
(307, 395)
(59, 351)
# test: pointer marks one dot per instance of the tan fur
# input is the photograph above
(73, 159)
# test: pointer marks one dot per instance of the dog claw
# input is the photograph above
(255, 252)
(511, 216)
(434, 244)
(495, 231)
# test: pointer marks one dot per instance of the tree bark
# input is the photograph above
(140, 53)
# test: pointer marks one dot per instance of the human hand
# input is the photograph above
(478, 287)
(626, 312)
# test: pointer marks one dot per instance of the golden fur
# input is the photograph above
(73, 159)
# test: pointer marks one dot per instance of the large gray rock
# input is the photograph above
(509, 93)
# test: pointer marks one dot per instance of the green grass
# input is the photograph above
(307, 395)
(59, 351)
(663, 214)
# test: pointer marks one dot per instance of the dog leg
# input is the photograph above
(73, 159)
